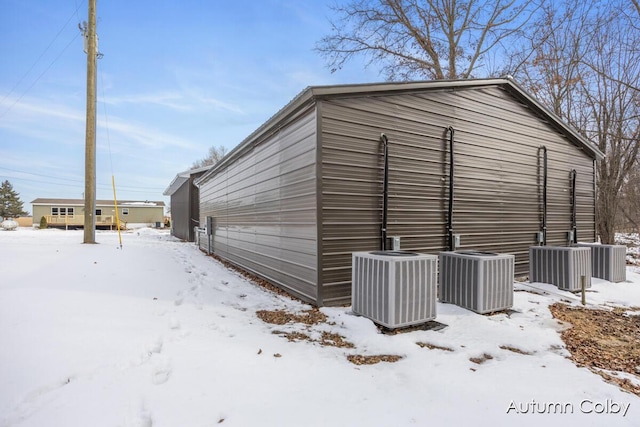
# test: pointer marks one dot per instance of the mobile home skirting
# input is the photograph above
(300, 195)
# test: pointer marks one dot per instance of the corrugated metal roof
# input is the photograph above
(308, 96)
(181, 178)
(80, 202)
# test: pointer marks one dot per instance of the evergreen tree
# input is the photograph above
(10, 204)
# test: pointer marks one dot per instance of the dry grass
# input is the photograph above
(603, 340)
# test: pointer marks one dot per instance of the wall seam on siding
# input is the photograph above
(319, 205)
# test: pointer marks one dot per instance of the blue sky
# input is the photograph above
(177, 77)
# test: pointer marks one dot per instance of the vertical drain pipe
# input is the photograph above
(385, 191)
(544, 195)
(450, 210)
(574, 226)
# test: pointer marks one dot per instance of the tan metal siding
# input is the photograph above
(497, 177)
(40, 211)
(149, 215)
(137, 214)
(264, 205)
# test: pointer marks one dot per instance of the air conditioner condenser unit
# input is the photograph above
(478, 281)
(608, 262)
(394, 288)
(561, 266)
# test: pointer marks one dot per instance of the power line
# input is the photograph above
(42, 54)
(79, 184)
(38, 174)
(136, 188)
(39, 77)
(42, 182)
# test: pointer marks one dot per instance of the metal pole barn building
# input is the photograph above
(441, 165)
(185, 203)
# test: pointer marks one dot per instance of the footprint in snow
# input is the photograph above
(140, 418)
(174, 323)
(161, 371)
(155, 346)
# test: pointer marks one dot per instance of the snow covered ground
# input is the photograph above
(158, 334)
(632, 241)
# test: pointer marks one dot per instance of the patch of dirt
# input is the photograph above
(480, 360)
(433, 346)
(358, 359)
(335, 340)
(309, 317)
(515, 350)
(602, 339)
(327, 339)
(293, 336)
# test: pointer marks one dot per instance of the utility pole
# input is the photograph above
(91, 41)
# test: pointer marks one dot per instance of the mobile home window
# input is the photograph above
(54, 211)
(70, 211)
(125, 211)
(98, 212)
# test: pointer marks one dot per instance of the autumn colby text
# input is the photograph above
(585, 406)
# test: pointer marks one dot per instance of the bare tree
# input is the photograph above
(434, 39)
(583, 64)
(550, 62)
(629, 216)
(613, 107)
(215, 155)
(636, 5)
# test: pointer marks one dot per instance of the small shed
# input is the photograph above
(468, 164)
(185, 203)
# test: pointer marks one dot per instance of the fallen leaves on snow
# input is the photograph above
(515, 350)
(433, 346)
(358, 359)
(480, 360)
(312, 316)
(603, 340)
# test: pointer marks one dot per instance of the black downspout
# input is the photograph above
(574, 226)
(450, 210)
(385, 191)
(544, 195)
